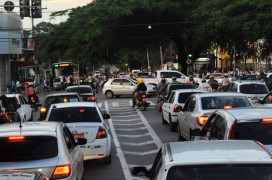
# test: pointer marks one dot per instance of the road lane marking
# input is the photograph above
(124, 115)
(115, 104)
(133, 136)
(125, 120)
(137, 144)
(132, 124)
(100, 105)
(132, 129)
(140, 153)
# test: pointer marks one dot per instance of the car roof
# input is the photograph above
(62, 94)
(75, 104)
(218, 94)
(252, 113)
(239, 82)
(218, 152)
(188, 90)
(12, 95)
(29, 128)
(78, 86)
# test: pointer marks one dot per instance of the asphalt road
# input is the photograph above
(136, 137)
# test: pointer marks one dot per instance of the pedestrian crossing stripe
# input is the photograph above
(150, 102)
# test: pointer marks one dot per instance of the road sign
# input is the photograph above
(9, 6)
(188, 61)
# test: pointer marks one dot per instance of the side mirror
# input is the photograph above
(136, 170)
(106, 116)
(259, 101)
(81, 141)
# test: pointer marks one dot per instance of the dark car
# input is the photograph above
(57, 98)
(174, 86)
(8, 113)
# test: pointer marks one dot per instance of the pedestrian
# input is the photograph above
(18, 86)
(62, 81)
(51, 84)
(45, 85)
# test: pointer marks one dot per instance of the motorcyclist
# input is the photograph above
(138, 92)
(31, 92)
(213, 83)
(162, 87)
(174, 80)
(225, 81)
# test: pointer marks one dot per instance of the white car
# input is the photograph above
(210, 160)
(25, 111)
(84, 119)
(174, 104)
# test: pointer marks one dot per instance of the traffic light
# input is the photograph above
(24, 8)
(36, 9)
(190, 56)
(149, 27)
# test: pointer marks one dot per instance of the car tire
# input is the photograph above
(173, 126)
(109, 94)
(107, 159)
(163, 120)
(180, 138)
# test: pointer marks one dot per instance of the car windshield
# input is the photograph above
(80, 90)
(221, 102)
(28, 149)
(253, 89)
(57, 80)
(60, 99)
(12, 100)
(180, 86)
(258, 131)
(184, 96)
(221, 172)
(74, 114)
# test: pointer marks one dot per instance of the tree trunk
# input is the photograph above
(181, 54)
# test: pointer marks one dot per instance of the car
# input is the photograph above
(268, 80)
(249, 78)
(57, 98)
(200, 106)
(85, 120)
(266, 101)
(255, 124)
(209, 160)
(118, 86)
(217, 77)
(20, 103)
(8, 113)
(48, 147)
(173, 105)
(174, 86)
(151, 89)
(57, 84)
(255, 90)
(85, 91)
(28, 81)
(22, 175)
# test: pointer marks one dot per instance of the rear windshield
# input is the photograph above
(261, 132)
(12, 100)
(31, 148)
(219, 102)
(184, 96)
(180, 86)
(60, 99)
(74, 114)
(57, 80)
(80, 90)
(253, 89)
(221, 172)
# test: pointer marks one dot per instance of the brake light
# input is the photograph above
(16, 138)
(82, 110)
(176, 108)
(91, 98)
(43, 110)
(232, 133)
(227, 107)
(266, 120)
(31, 97)
(201, 120)
(101, 133)
(144, 96)
(62, 172)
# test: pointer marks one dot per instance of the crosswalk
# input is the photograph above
(116, 104)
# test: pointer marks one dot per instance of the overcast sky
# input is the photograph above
(51, 6)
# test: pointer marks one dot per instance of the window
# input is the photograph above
(192, 104)
(80, 90)
(184, 96)
(187, 104)
(68, 140)
(177, 75)
(166, 75)
(126, 82)
(60, 99)
(156, 165)
(116, 82)
(24, 99)
(253, 89)
(172, 97)
(219, 128)
(208, 125)
(74, 114)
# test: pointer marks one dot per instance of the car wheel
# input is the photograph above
(107, 160)
(109, 94)
(163, 120)
(173, 125)
(180, 138)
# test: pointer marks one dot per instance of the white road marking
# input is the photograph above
(141, 153)
(124, 116)
(115, 104)
(100, 105)
(137, 144)
(133, 136)
(132, 129)
(125, 120)
(132, 124)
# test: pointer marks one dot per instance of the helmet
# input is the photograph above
(163, 80)
(174, 78)
(191, 78)
(211, 77)
(226, 74)
(140, 80)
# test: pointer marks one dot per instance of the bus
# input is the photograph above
(65, 69)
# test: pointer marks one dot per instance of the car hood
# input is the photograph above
(84, 130)
(46, 166)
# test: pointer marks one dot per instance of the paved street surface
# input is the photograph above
(136, 135)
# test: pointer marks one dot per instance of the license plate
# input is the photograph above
(78, 135)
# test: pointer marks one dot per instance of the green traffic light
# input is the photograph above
(149, 27)
(190, 55)
(56, 65)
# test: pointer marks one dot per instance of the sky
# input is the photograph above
(51, 6)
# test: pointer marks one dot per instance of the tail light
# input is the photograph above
(61, 172)
(101, 133)
(176, 108)
(16, 138)
(266, 120)
(144, 96)
(227, 107)
(31, 97)
(232, 133)
(201, 120)
(43, 110)
(91, 98)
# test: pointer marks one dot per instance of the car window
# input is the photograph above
(258, 131)
(22, 100)
(172, 97)
(126, 82)
(166, 75)
(208, 125)
(175, 74)
(156, 165)
(253, 89)
(192, 104)
(223, 172)
(187, 104)
(116, 82)
(28, 149)
(74, 114)
(219, 128)
(60, 99)
(69, 138)
(56, 80)
(13, 101)
(220, 102)
(80, 90)
(184, 96)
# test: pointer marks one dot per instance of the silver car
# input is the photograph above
(48, 147)
(198, 108)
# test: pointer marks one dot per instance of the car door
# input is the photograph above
(26, 108)
(127, 86)
(116, 86)
(190, 116)
(167, 105)
(75, 154)
(180, 77)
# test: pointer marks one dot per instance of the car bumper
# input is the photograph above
(174, 117)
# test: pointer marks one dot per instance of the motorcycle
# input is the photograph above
(161, 100)
(214, 86)
(32, 100)
(143, 104)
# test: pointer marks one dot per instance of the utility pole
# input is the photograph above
(161, 57)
